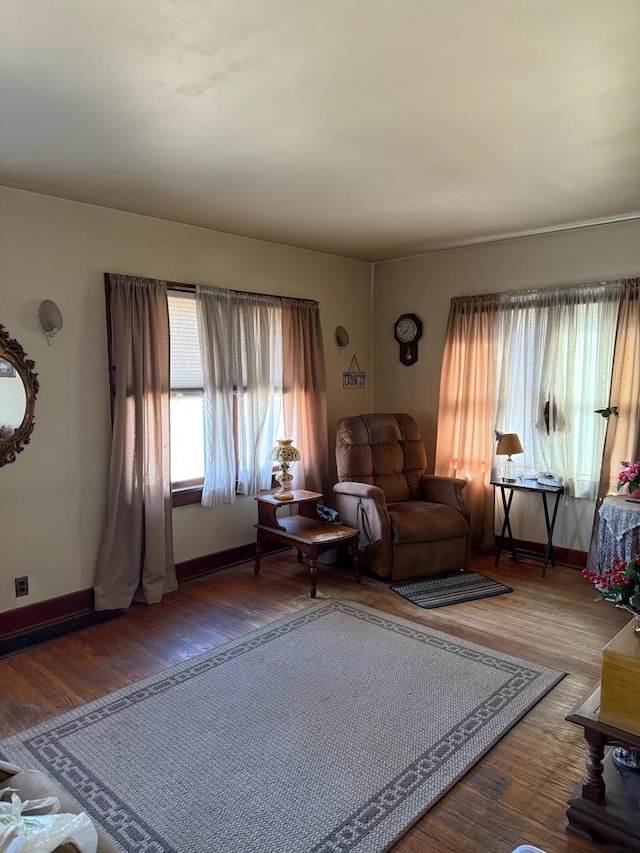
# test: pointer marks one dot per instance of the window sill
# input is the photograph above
(186, 495)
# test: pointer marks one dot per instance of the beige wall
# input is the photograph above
(52, 498)
(425, 284)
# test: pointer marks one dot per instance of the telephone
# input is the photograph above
(548, 478)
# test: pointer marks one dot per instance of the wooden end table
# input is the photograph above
(605, 806)
(304, 531)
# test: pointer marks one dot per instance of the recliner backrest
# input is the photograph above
(383, 450)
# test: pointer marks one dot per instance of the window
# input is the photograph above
(226, 358)
(252, 390)
(510, 356)
(187, 392)
(554, 354)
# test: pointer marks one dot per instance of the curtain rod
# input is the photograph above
(179, 285)
(545, 291)
(190, 288)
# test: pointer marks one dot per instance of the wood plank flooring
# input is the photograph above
(516, 794)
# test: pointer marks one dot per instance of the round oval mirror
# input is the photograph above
(18, 389)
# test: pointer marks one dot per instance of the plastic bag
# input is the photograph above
(329, 516)
(367, 545)
(24, 833)
(325, 513)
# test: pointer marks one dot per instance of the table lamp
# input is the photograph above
(285, 454)
(509, 443)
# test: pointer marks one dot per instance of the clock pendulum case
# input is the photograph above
(408, 331)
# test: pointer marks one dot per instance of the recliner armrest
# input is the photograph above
(360, 490)
(372, 495)
(364, 506)
(444, 490)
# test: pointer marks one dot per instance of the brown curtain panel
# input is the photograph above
(305, 392)
(622, 440)
(623, 432)
(464, 446)
(136, 553)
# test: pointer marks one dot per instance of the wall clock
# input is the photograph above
(408, 331)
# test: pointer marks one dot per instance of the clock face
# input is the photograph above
(406, 330)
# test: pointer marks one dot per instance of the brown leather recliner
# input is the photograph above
(419, 520)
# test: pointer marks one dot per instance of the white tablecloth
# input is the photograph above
(618, 531)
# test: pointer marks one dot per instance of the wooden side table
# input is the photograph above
(304, 531)
(605, 806)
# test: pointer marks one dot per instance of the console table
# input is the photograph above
(605, 805)
(618, 531)
(533, 487)
(304, 531)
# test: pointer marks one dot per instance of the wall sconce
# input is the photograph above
(341, 337)
(50, 319)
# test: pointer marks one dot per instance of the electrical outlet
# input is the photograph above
(22, 586)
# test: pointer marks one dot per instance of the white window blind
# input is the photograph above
(186, 407)
(186, 364)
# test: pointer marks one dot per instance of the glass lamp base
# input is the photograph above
(285, 479)
(509, 471)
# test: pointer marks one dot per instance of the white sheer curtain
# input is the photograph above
(257, 349)
(554, 357)
(241, 349)
(215, 334)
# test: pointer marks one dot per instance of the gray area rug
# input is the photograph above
(331, 730)
(449, 588)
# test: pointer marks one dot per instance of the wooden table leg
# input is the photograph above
(355, 558)
(313, 576)
(506, 525)
(256, 566)
(593, 788)
(549, 552)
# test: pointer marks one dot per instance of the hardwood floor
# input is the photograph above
(516, 794)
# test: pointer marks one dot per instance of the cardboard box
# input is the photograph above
(620, 688)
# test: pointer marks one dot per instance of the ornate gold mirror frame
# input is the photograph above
(12, 352)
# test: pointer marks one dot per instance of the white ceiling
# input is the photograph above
(367, 128)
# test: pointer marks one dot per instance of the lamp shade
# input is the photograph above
(508, 444)
(284, 451)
